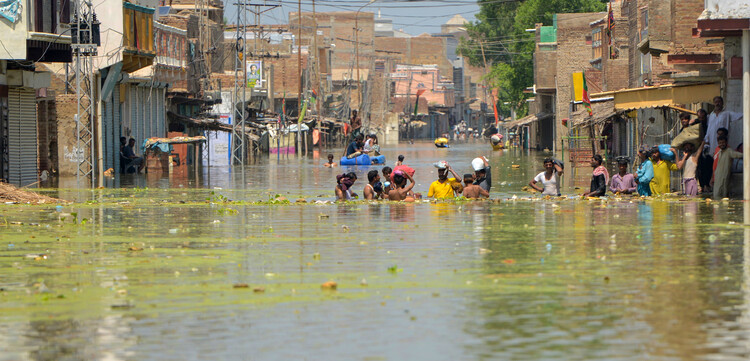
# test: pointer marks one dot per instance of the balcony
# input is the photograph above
(138, 37)
(171, 46)
(36, 30)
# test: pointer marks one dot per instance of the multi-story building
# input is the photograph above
(729, 22)
(435, 89)
(35, 31)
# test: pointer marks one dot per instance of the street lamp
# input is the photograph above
(356, 51)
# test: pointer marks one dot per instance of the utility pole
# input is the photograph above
(239, 99)
(481, 46)
(240, 86)
(316, 69)
(356, 52)
(299, 77)
(85, 38)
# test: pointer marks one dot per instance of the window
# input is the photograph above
(45, 12)
(644, 24)
(596, 43)
(645, 63)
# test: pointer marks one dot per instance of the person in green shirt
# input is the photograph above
(661, 183)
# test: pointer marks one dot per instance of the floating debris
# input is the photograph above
(330, 285)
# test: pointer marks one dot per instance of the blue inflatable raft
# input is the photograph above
(363, 159)
(378, 160)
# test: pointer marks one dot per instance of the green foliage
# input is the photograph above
(508, 49)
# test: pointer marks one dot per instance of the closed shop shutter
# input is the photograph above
(161, 114)
(116, 126)
(139, 118)
(107, 121)
(154, 102)
(22, 137)
(134, 112)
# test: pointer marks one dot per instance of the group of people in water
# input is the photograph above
(398, 183)
(701, 151)
(363, 145)
(707, 166)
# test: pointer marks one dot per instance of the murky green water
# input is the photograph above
(150, 274)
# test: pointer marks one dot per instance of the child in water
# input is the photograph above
(402, 192)
(344, 183)
(330, 163)
(471, 190)
(400, 160)
(387, 185)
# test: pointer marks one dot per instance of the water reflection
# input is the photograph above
(570, 279)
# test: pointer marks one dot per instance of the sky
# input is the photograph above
(414, 17)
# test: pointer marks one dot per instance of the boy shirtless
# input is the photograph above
(330, 163)
(401, 191)
(473, 191)
(387, 185)
(373, 189)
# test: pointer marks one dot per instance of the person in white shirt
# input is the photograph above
(549, 179)
(719, 118)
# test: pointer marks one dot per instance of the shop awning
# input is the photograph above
(601, 111)
(662, 96)
(526, 120)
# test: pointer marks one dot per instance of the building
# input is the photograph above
(573, 38)
(642, 66)
(456, 24)
(729, 21)
(30, 36)
(436, 90)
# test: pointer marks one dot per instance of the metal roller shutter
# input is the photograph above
(107, 121)
(133, 121)
(140, 117)
(116, 126)
(152, 112)
(161, 114)
(22, 137)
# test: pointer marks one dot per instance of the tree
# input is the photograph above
(501, 30)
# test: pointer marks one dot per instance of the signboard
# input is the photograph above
(218, 145)
(254, 74)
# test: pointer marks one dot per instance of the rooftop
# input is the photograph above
(457, 20)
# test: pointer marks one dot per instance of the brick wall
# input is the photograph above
(177, 21)
(422, 50)
(338, 28)
(66, 106)
(660, 23)
(476, 76)
(616, 71)
(630, 11)
(285, 75)
(47, 134)
(545, 63)
(431, 50)
(572, 30)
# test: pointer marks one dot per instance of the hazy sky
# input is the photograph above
(414, 17)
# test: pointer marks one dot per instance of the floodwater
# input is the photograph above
(219, 269)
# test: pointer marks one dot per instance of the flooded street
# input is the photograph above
(217, 269)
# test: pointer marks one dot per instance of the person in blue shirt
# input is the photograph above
(128, 152)
(645, 173)
(355, 147)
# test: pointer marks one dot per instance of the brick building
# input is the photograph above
(573, 56)
(639, 74)
(420, 50)
(729, 22)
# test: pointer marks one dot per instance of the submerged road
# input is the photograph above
(216, 269)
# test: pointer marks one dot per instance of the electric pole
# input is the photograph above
(84, 45)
